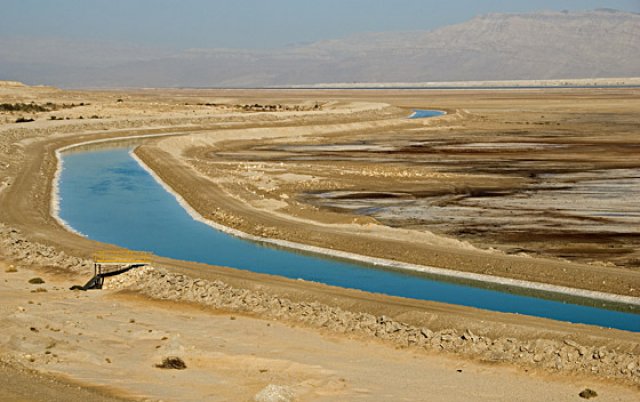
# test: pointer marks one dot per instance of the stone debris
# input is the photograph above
(566, 355)
(19, 248)
(274, 393)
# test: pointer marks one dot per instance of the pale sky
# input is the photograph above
(256, 24)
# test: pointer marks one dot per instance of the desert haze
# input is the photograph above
(548, 45)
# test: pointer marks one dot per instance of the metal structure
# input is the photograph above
(113, 262)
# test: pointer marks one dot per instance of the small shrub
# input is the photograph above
(172, 362)
(34, 107)
(23, 107)
(36, 281)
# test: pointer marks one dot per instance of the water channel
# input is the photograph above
(106, 195)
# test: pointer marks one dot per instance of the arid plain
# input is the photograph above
(532, 185)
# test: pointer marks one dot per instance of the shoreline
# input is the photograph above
(481, 278)
(568, 83)
(379, 262)
(293, 350)
(385, 263)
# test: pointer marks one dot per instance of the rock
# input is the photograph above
(274, 393)
(427, 333)
(36, 281)
(469, 336)
(588, 393)
(447, 338)
(599, 354)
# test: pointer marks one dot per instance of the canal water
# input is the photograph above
(106, 195)
(422, 114)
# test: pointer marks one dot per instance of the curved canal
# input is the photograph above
(107, 196)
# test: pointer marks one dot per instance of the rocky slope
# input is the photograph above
(549, 45)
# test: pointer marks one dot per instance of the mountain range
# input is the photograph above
(546, 45)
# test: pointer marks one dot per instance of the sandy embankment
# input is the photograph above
(25, 204)
(178, 147)
(113, 340)
(418, 249)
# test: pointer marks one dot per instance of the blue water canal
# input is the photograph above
(422, 114)
(107, 196)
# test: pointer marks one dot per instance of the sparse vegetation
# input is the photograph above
(24, 107)
(35, 107)
(256, 107)
(278, 108)
(172, 362)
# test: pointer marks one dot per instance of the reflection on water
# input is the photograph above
(106, 195)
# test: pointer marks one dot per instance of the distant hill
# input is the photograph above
(550, 45)
(11, 84)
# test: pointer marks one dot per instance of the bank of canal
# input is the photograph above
(106, 195)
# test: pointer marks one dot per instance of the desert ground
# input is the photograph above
(533, 185)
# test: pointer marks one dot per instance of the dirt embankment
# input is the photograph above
(530, 343)
(110, 345)
(563, 355)
(240, 180)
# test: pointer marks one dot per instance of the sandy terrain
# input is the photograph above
(114, 340)
(224, 157)
(555, 180)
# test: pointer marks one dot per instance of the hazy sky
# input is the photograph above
(182, 24)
